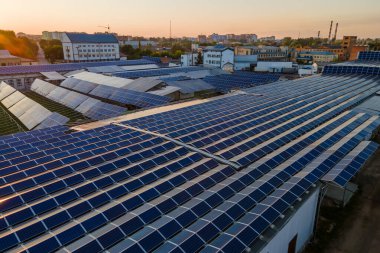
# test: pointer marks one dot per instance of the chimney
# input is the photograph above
(336, 31)
(330, 30)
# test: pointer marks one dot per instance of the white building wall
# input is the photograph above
(228, 57)
(218, 58)
(189, 60)
(300, 224)
(263, 66)
(74, 52)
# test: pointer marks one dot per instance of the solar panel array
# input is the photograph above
(121, 95)
(90, 107)
(65, 67)
(239, 80)
(216, 176)
(30, 113)
(369, 56)
(156, 72)
(348, 167)
(351, 69)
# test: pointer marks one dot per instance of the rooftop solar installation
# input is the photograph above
(348, 167)
(239, 80)
(369, 56)
(120, 95)
(95, 109)
(65, 67)
(351, 70)
(213, 177)
(156, 72)
(30, 113)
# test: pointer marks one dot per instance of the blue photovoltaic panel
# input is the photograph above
(11, 70)
(239, 80)
(156, 72)
(344, 171)
(351, 69)
(116, 188)
(369, 56)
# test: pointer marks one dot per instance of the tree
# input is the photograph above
(200, 59)
(53, 50)
(22, 46)
(287, 41)
(53, 53)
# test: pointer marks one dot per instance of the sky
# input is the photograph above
(151, 18)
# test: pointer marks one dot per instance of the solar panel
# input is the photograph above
(369, 56)
(116, 188)
(65, 67)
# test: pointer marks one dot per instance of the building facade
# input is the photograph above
(6, 59)
(138, 43)
(190, 59)
(264, 53)
(320, 56)
(218, 56)
(80, 47)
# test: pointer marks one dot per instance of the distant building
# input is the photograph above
(264, 53)
(217, 38)
(347, 43)
(274, 67)
(52, 35)
(308, 70)
(6, 59)
(81, 47)
(138, 43)
(268, 39)
(202, 38)
(337, 50)
(190, 59)
(320, 56)
(219, 56)
(355, 50)
(245, 62)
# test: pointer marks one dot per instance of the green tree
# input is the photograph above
(53, 53)
(18, 46)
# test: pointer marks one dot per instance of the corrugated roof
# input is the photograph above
(53, 76)
(190, 86)
(143, 84)
(92, 38)
(165, 91)
(113, 81)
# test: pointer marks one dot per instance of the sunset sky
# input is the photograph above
(192, 17)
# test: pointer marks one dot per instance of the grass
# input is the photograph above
(8, 124)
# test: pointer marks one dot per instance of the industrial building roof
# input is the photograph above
(190, 86)
(217, 176)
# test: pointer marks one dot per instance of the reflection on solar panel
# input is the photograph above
(90, 107)
(369, 56)
(124, 96)
(239, 80)
(213, 176)
(28, 112)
